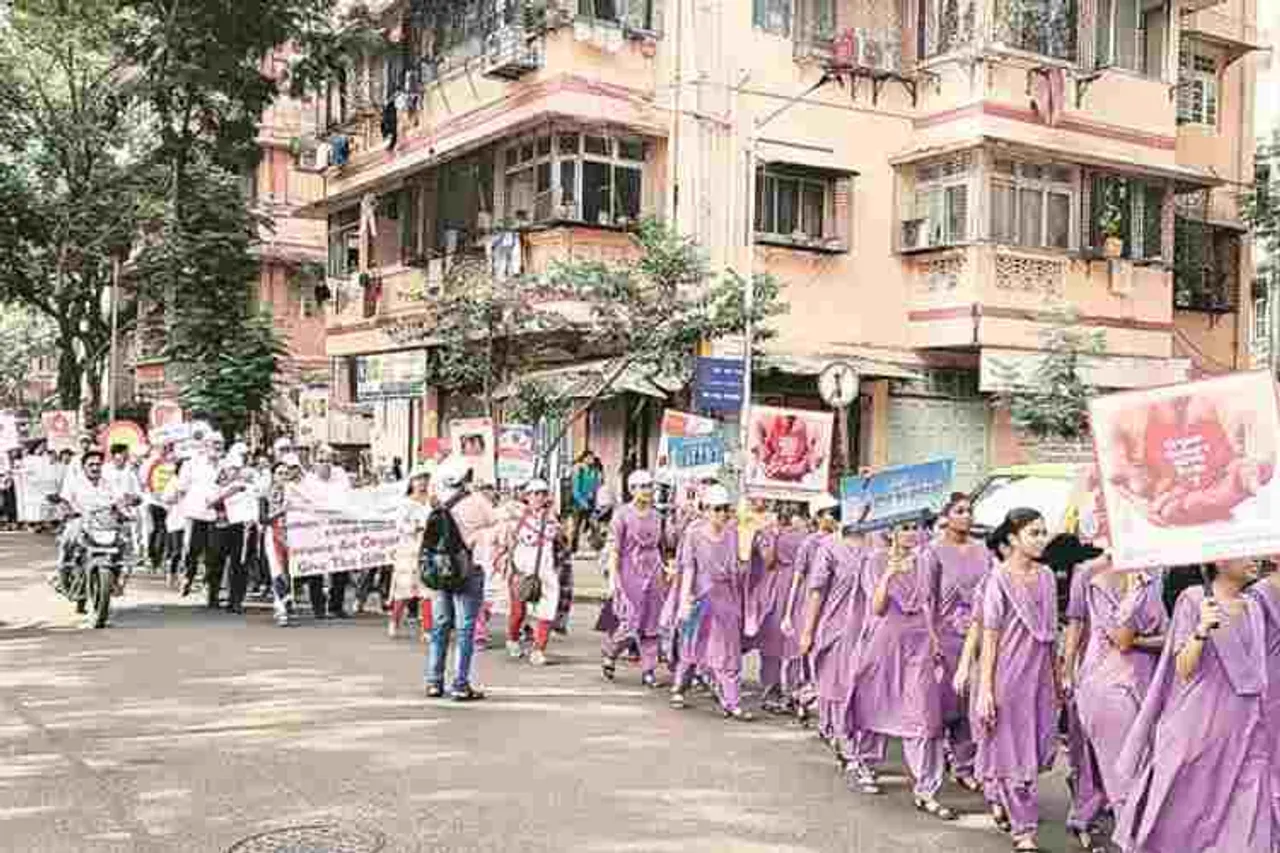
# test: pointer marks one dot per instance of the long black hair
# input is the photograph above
(1014, 521)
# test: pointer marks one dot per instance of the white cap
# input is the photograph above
(640, 480)
(536, 485)
(822, 503)
(716, 495)
(282, 443)
(452, 472)
(291, 460)
(240, 449)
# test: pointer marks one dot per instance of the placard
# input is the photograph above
(473, 440)
(789, 451)
(1188, 471)
(334, 531)
(684, 441)
(60, 428)
(391, 376)
(515, 454)
(897, 494)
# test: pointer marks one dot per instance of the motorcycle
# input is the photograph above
(95, 566)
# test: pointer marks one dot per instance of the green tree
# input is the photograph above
(24, 337)
(644, 317)
(1053, 402)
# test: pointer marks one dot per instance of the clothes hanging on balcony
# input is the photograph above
(1049, 94)
(341, 150)
(504, 254)
(390, 123)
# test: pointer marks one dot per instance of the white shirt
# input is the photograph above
(122, 481)
(198, 484)
(85, 497)
(338, 480)
(242, 507)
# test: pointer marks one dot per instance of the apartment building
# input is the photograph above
(936, 183)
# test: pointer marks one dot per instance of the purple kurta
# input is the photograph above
(1111, 684)
(709, 563)
(1268, 598)
(640, 590)
(897, 690)
(767, 590)
(835, 573)
(1021, 744)
(961, 569)
(1196, 767)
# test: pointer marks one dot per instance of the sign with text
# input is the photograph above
(515, 454)
(341, 531)
(718, 384)
(895, 495)
(1188, 471)
(391, 376)
(696, 452)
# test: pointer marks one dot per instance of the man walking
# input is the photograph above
(327, 478)
(197, 488)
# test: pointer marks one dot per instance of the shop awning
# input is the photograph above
(579, 381)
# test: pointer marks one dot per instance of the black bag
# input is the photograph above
(445, 561)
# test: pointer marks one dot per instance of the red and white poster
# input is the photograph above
(473, 440)
(1188, 471)
(165, 413)
(60, 429)
(788, 451)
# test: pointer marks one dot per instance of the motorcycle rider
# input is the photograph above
(82, 495)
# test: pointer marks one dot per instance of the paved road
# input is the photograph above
(181, 730)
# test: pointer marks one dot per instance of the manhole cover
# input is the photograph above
(313, 838)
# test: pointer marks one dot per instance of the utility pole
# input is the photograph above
(115, 328)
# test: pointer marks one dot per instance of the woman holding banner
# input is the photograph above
(897, 685)
(1017, 691)
(406, 584)
(959, 563)
(1196, 771)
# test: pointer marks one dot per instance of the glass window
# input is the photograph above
(772, 15)
(792, 203)
(568, 181)
(568, 143)
(1131, 210)
(1059, 221)
(940, 211)
(1046, 27)
(788, 191)
(1197, 87)
(543, 146)
(631, 149)
(1003, 203)
(579, 177)
(543, 177)
(1031, 216)
(595, 192)
(598, 145)
(812, 209)
(1031, 204)
(627, 192)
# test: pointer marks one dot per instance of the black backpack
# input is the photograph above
(445, 561)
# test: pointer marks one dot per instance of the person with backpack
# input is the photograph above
(454, 528)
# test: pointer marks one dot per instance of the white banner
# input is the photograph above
(328, 531)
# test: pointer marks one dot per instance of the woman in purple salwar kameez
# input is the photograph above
(1121, 621)
(1017, 693)
(797, 675)
(897, 686)
(1196, 769)
(773, 565)
(639, 585)
(712, 585)
(1267, 594)
(960, 563)
(832, 626)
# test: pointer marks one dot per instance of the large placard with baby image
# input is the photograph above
(788, 452)
(1188, 471)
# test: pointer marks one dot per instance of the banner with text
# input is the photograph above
(895, 495)
(329, 531)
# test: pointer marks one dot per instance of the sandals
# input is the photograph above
(1086, 841)
(930, 806)
(1026, 845)
(677, 700)
(739, 715)
(435, 691)
(1001, 819)
(969, 783)
(647, 679)
(608, 668)
(858, 780)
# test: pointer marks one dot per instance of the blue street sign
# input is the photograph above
(696, 452)
(718, 384)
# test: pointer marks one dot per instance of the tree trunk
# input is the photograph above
(70, 374)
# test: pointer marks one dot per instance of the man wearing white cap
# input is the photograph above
(236, 503)
(197, 485)
(636, 578)
(538, 551)
(454, 613)
(327, 477)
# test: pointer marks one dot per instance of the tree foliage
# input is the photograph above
(1260, 206)
(24, 336)
(644, 317)
(1054, 401)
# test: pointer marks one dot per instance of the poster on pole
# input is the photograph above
(515, 454)
(788, 452)
(60, 428)
(1188, 471)
(897, 494)
(473, 440)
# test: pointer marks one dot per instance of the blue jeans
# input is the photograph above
(461, 607)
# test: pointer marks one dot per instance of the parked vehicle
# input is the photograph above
(1048, 487)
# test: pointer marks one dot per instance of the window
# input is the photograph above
(815, 21)
(637, 14)
(1131, 34)
(591, 177)
(772, 15)
(939, 214)
(344, 242)
(1206, 266)
(1031, 204)
(1197, 87)
(1131, 210)
(1261, 320)
(944, 26)
(1046, 27)
(793, 205)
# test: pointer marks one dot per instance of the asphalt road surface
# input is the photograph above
(182, 730)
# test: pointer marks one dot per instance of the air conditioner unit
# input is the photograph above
(914, 235)
(308, 161)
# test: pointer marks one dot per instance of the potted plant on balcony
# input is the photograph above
(1111, 220)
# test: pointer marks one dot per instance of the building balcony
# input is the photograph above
(989, 296)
